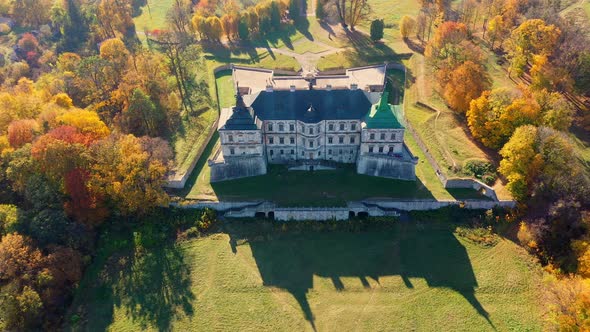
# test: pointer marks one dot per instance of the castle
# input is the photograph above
(312, 123)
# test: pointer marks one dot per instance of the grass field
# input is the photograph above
(405, 277)
(153, 16)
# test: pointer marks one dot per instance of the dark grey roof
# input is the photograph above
(325, 105)
(241, 118)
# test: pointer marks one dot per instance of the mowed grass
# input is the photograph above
(153, 15)
(407, 277)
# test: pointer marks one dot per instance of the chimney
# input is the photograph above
(269, 88)
(292, 88)
(354, 86)
(329, 87)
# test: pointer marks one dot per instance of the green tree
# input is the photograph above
(320, 12)
(275, 16)
(377, 27)
(243, 30)
(294, 10)
(142, 117)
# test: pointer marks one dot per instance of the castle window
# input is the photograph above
(380, 149)
(352, 140)
(271, 140)
(341, 139)
(372, 136)
(311, 144)
(330, 151)
(330, 140)
(232, 151)
(311, 131)
(391, 149)
(291, 127)
(292, 140)
(331, 126)
(230, 138)
(340, 151)
(270, 127)
(371, 149)
(382, 136)
(302, 153)
(319, 153)
(292, 151)
(393, 138)
(282, 140)
(272, 152)
(282, 152)
(281, 127)
(353, 126)
(342, 126)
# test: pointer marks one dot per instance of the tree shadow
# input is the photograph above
(139, 271)
(415, 46)
(319, 188)
(159, 282)
(363, 50)
(290, 261)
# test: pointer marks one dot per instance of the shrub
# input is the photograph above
(483, 236)
(206, 220)
(481, 169)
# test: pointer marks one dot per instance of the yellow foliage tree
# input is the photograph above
(87, 122)
(407, 26)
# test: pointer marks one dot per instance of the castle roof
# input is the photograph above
(312, 106)
(383, 115)
(238, 118)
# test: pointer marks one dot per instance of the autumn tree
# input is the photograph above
(495, 115)
(534, 164)
(449, 47)
(214, 28)
(532, 37)
(407, 26)
(142, 117)
(568, 303)
(498, 30)
(31, 13)
(114, 19)
(21, 132)
(465, 83)
(130, 179)
(19, 259)
(9, 217)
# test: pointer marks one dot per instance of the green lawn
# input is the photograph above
(255, 277)
(153, 16)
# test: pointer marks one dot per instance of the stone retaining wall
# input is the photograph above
(373, 208)
(237, 167)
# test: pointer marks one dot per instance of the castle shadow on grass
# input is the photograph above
(290, 261)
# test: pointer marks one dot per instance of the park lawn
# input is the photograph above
(403, 277)
(153, 16)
